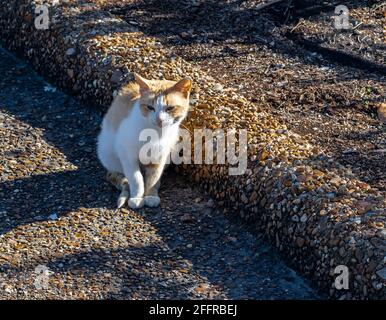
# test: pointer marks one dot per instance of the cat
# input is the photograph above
(160, 105)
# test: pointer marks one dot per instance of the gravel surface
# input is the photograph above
(364, 39)
(317, 212)
(57, 211)
(248, 52)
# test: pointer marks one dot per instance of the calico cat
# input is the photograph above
(143, 104)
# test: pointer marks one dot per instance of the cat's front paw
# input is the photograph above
(152, 201)
(136, 203)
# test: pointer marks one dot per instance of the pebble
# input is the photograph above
(218, 87)
(70, 52)
(382, 273)
(53, 216)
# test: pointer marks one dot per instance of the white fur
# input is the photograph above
(118, 148)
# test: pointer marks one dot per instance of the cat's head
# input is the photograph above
(164, 102)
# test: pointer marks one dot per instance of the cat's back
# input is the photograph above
(121, 106)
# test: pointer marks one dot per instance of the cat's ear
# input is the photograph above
(183, 86)
(142, 82)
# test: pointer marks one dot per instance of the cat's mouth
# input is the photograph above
(165, 124)
(161, 125)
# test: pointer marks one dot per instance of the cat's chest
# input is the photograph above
(139, 134)
(154, 150)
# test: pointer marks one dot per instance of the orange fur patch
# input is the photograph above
(176, 95)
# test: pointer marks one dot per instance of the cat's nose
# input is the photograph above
(159, 122)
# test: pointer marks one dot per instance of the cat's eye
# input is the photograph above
(169, 108)
(150, 108)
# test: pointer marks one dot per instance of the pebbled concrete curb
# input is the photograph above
(313, 210)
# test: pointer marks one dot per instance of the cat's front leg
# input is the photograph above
(122, 184)
(136, 183)
(153, 174)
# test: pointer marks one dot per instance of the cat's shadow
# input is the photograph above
(68, 129)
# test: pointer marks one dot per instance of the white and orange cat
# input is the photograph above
(142, 104)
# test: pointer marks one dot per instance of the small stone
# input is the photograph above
(116, 76)
(253, 196)
(382, 273)
(218, 87)
(364, 186)
(70, 73)
(232, 239)
(303, 218)
(70, 52)
(330, 195)
(53, 216)
(342, 251)
(377, 285)
(364, 206)
(357, 220)
(350, 151)
(318, 174)
(197, 200)
(300, 242)
(187, 218)
(336, 181)
(210, 203)
(359, 255)
(263, 155)
(371, 266)
(322, 212)
(8, 290)
(185, 35)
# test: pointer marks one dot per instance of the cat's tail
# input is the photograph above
(121, 183)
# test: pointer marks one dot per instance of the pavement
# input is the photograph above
(61, 236)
